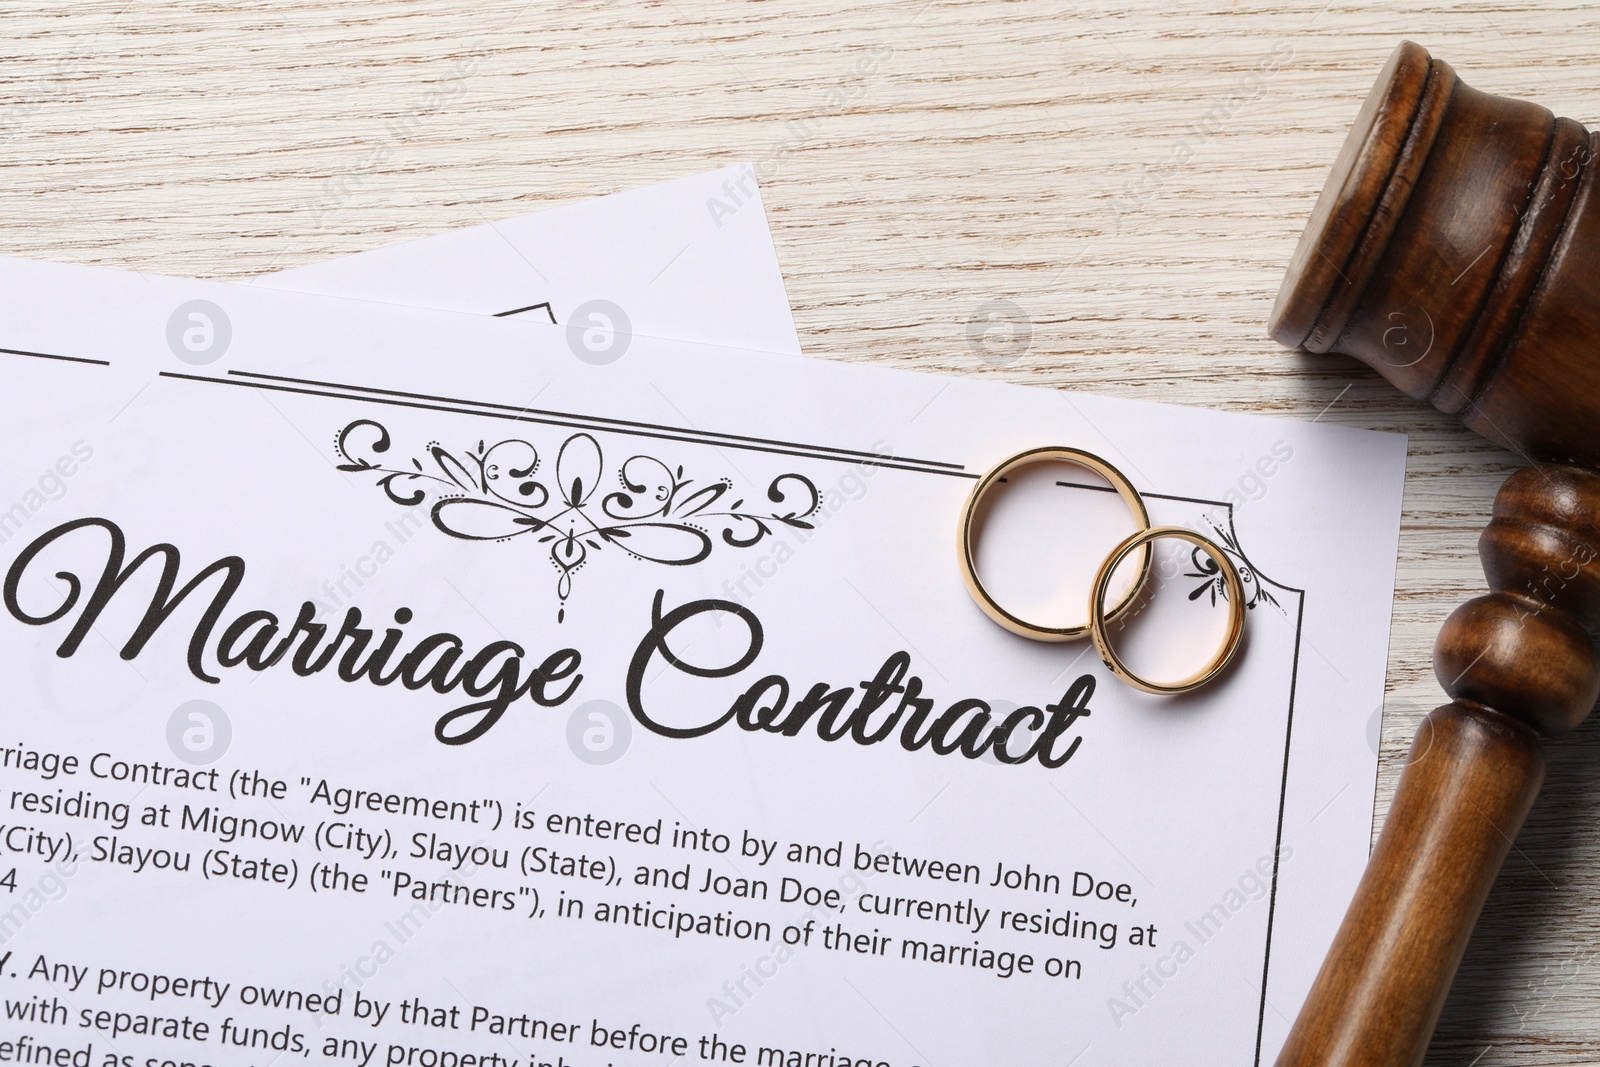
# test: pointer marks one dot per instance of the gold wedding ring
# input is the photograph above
(1234, 595)
(1078, 458)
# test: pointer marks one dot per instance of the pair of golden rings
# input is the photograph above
(1099, 614)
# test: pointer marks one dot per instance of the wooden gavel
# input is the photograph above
(1456, 250)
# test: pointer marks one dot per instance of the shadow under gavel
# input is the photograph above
(1456, 250)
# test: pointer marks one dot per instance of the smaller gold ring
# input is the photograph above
(969, 568)
(1234, 596)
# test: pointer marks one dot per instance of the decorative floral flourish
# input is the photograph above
(496, 492)
(1212, 580)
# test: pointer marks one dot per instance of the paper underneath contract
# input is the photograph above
(562, 711)
(690, 258)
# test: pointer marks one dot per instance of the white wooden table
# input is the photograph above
(1114, 171)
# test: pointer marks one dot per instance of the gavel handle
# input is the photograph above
(1468, 783)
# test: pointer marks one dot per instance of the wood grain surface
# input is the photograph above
(1131, 178)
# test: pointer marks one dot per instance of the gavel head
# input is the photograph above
(1455, 249)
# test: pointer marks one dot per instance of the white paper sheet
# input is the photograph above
(690, 258)
(1225, 814)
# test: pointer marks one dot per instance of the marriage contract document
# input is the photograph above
(393, 686)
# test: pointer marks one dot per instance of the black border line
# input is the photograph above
(680, 432)
(548, 310)
(51, 355)
(1288, 734)
(511, 416)
(1283, 795)
(1169, 496)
